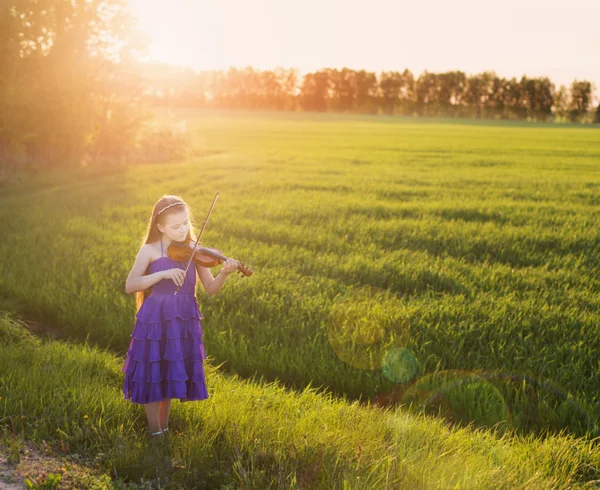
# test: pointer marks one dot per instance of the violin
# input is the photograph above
(204, 256)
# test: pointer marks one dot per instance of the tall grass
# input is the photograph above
(449, 267)
(255, 435)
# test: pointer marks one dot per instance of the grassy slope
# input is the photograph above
(67, 399)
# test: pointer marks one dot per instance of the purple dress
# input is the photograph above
(166, 353)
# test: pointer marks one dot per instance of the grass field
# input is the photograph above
(60, 402)
(448, 266)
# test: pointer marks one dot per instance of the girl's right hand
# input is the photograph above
(176, 274)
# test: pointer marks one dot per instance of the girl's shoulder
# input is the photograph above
(153, 250)
(153, 245)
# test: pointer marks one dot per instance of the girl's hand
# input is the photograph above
(176, 274)
(230, 266)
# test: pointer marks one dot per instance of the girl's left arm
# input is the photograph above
(212, 285)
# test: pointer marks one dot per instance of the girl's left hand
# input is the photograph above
(230, 265)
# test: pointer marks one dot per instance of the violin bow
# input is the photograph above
(198, 239)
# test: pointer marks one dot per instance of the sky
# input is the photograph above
(553, 38)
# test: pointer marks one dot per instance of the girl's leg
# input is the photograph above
(152, 412)
(165, 405)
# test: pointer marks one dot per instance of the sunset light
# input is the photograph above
(544, 39)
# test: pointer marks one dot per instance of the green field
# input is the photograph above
(448, 266)
(248, 435)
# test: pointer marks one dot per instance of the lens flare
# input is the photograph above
(504, 401)
(460, 397)
(399, 364)
(366, 323)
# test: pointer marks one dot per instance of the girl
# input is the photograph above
(166, 354)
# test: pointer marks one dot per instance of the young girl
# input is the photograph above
(166, 354)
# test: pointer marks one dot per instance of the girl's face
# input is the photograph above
(176, 226)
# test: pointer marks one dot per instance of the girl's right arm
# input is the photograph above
(137, 281)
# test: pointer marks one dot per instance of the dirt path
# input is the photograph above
(41, 464)
(9, 476)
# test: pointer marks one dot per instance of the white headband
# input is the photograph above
(166, 207)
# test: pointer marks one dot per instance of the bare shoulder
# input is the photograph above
(145, 256)
(142, 261)
(151, 251)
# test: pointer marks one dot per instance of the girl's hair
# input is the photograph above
(153, 234)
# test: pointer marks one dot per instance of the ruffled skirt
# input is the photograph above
(166, 355)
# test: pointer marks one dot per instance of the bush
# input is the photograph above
(162, 142)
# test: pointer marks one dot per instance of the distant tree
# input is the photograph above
(561, 103)
(366, 91)
(315, 91)
(581, 98)
(344, 92)
(289, 80)
(511, 99)
(498, 101)
(397, 92)
(408, 99)
(390, 85)
(453, 85)
(478, 93)
(539, 96)
(426, 92)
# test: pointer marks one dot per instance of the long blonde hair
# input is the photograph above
(153, 234)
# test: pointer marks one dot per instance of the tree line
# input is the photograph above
(449, 94)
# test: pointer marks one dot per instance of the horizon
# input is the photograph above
(266, 34)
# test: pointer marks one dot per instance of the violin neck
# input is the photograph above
(211, 253)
